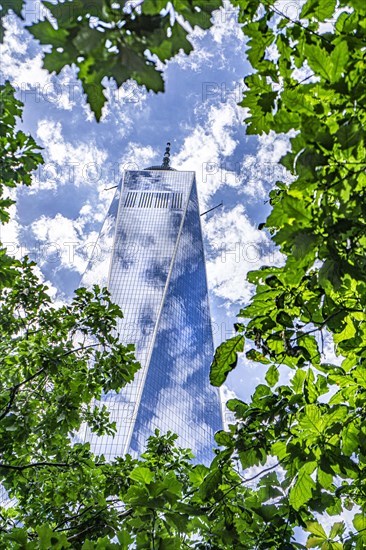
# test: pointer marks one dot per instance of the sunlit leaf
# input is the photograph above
(225, 359)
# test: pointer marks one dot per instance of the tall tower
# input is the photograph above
(157, 276)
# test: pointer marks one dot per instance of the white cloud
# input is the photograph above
(9, 233)
(60, 239)
(221, 121)
(205, 146)
(258, 173)
(17, 62)
(52, 291)
(57, 237)
(210, 46)
(225, 24)
(22, 64)
(138, 157)
(273, 146)
(236, 248)
(124, 104)
(227, 393)
(67, 163)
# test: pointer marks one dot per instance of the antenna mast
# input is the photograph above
(166, 158)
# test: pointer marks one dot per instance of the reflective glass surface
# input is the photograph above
(157, 276)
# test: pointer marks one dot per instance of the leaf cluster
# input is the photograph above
(314, 426)
(19, 156)
(117, 40)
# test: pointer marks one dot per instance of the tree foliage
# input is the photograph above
(53, 363)
(315, 425)
(301, 444)
(19, 156)
(116, 40)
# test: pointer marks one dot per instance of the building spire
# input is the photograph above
(166, 158)
(165, 165)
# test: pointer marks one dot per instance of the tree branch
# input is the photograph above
(39, 465)
(244, 480)
(17, 386)
(10, 402)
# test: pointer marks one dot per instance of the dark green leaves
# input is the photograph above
(19, 152)
(210, 484)
(254, 355)
(119, 43)
(316, 299)
(338, 60)
(19, 157)
(197, 13)
(319, 10)
(47, 34)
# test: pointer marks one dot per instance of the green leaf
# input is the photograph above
(312, 421)
(47, 34)
(313, 542)
(267, 101)
(237, 406)
(272, 375)
(279, 449)
(223, 438)
(337, 529)
(136, 496)
(18, 535)
(329, 275)
(284, 319)
(325, 479)
(316, 529)
(318, 60)
(292, 210)
(297, 381)
(93, 88)
(359, 523)
(255, 355)
(318, 9)
(310, 390)
(198, 474)
(151, 7)
(297, 102)
(338, 60)
(301, 492)
(87, 40)
(304, 247)
(286, 121)
(225, 359)
(125, 539)
(142, 474)
(350, 439)
(210, 484)
(348, 331)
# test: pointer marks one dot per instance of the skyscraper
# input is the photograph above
(157, 276)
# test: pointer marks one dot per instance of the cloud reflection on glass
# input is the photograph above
(157, 276)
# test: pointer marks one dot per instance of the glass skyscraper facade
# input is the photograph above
(150, 255)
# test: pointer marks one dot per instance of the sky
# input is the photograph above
(58, 219)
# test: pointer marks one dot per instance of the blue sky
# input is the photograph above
(59, 218)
